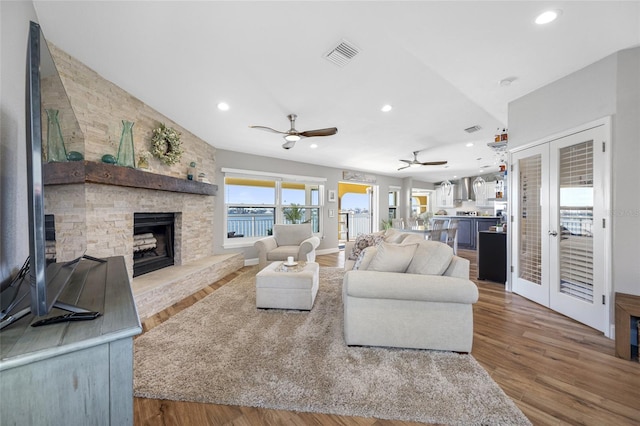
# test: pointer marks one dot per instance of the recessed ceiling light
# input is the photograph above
(386, 108)
(469, 144)
(505, 82)
(481, 171)
(548, 16)
(223, 106)
(313, 146)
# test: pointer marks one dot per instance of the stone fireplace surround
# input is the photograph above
(98, 218)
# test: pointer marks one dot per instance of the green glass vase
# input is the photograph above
(55, 144)
(126, 155)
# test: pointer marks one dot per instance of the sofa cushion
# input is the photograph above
(363, 241)
(291, 235)
(392, 257)
(365, 258)
(393, 236)
(430, 258)
(283, 252)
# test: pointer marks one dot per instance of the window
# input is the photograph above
(394, 195)
(301, 203)
(254, 203)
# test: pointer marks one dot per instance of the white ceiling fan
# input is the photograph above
(292, 135)
(416, 163)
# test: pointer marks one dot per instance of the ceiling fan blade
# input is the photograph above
(434, 163)
(405, 167)
(319, 132)
(268, 129)
(407, 161)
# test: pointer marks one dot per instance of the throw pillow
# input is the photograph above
(365, 258)
(363, 241)
(430, 258)
(392, 257)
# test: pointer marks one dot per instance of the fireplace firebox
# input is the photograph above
(152, 242)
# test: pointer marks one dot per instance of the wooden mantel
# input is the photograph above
(74, 172)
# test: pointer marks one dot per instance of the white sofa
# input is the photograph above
(287, 240)
(432, 310)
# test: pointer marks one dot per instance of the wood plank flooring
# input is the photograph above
(556, 370)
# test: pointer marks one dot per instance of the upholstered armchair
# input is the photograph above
(288, 240)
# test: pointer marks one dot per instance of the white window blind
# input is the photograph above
(530, 250)
(576, 221)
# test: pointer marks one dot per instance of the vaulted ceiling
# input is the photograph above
(438, 64)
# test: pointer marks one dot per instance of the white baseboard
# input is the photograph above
(251, 262)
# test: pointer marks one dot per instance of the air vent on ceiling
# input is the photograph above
(472, 129)
(342, 54)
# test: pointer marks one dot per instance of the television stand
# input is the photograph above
(89, 362)
(22, 293)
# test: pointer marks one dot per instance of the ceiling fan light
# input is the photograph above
(288, 144)
(291, 138)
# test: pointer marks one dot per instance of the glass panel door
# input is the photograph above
(577, 238)
(530, 224)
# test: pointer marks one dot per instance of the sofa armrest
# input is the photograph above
(458, 267)
(348, 247)
(400, 286)
(264, 246)
(307, 246)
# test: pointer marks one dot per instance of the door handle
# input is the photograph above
(553, 233)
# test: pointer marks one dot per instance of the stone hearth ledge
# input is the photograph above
(157, 290)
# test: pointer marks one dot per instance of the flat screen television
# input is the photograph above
(45, 282)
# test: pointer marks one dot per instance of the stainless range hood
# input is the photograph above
(464, 190)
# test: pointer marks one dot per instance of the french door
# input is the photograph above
(559, 250)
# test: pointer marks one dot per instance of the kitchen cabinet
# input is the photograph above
(444, 198)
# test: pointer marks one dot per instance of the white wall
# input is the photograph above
(14, 238)
(237, 160)
(610, 86)
(626, 178)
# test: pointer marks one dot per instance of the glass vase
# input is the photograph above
(126, 155)
(55, 144)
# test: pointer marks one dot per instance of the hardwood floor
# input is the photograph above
(556, 370)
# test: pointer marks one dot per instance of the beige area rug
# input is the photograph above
(223, 350)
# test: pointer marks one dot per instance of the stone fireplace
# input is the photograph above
(99, 217)
(96, 212)
(152, 242)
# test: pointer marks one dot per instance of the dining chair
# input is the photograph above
(437, 229)
(452, 232)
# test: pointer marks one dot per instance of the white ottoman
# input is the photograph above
(282, 287)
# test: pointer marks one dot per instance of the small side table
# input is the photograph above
(282, 287)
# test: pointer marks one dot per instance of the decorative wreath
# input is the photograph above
(166, 144)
